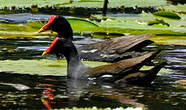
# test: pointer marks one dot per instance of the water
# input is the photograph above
(24, 91)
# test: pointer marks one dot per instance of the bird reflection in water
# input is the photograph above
(47, 96)
(79, 91)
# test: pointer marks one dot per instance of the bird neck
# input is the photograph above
(74, 65)
(72, 56)
(65, 35)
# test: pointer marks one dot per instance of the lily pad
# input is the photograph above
(118, 25)
(90, 1)
(31, 28)
(167, 14)
(80, 25)
(163, 71)
(40, 67)
(29, 3)
(177, 8)
(157, 21)
(169, 40)
(82, 3)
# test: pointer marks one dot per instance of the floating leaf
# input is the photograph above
(167, 14)
(90, 1)
(82, 3)
(80, 25)
(177, 8)
(157, 21)
(169, 40)
(40, 67)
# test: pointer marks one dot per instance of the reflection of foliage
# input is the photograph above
(167, 14)
(157, 21)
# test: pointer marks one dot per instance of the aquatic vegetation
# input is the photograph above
(90, 1)
(29, 3)
(34, 8)
(83, 25)
(108, 28)
(157, 21)
(50, 67)
(169, 40)
(167, 14)
(176, 8)
(40, 67)
(81, 3)
(168, 90)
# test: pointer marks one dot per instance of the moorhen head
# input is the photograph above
(60, 25)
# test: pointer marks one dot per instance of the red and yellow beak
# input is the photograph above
(50, 47)
(46, 26)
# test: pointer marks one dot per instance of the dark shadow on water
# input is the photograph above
(43, 92)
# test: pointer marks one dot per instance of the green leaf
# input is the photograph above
(82, 3)
(169, 40)
(79, 25)
(157, 21)
(176, 8)
(167, 14)
(40, 67)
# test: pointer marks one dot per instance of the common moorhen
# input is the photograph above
(122, 71)
(111, 50)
